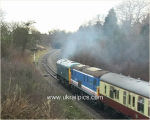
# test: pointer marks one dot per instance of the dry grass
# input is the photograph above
(16, 107)
(24, 92)
(20, 107)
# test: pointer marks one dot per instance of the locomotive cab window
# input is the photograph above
(141, 104)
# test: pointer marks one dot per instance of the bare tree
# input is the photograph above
(132, 11)
(1, 15)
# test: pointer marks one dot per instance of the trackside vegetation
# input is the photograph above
(24, 91)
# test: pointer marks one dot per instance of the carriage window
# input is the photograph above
(124, 97)
(111, 92)
(105, 89)
(117, 92)
(141, 104)
(129, 99)
(133, 101)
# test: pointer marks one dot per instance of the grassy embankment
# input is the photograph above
(24, 91)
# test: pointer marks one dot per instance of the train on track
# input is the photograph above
(124, 94)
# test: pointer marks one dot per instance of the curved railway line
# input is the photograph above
(107, 113)
(48, 69)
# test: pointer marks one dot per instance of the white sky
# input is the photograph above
(49, 14)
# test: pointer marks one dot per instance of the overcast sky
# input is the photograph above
(49, 14)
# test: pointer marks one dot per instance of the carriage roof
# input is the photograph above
(131, 84)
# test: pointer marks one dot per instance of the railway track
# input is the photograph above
(107, 113)
(48, 69)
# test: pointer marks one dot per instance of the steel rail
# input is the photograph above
(48, 69)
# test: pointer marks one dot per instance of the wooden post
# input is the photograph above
(34, 56)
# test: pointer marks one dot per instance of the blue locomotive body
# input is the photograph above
(86, 78)
(86, 82)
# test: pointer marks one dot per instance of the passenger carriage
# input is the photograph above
(126, 95)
